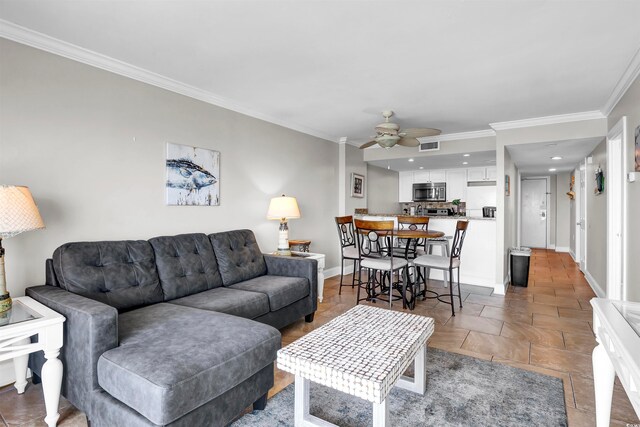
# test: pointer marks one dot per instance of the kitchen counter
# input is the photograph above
(478, 252)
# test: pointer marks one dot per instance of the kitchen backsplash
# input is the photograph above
(433, 205)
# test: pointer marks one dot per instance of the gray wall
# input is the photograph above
(629, 106)
(92, 145)
(354, 164)
(573, 212)
(596, 258)
(510, 210)
(563, 223)
(382, 191)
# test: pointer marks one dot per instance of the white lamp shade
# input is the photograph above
(283, 207)
(18, 211)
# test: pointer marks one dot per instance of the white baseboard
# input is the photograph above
(563, 249)
(573, 256)
(335, 271)
(551, 246)
(501, 288)
(594, 285)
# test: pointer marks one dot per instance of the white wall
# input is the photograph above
(552, 211)
(382, 190)
(596, 256)
(629, 106)
(563, 223)
(91, 146)
(511, 209)
(354, 164)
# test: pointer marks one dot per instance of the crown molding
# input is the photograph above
(628, 77)
(26, 36)
(460, 135)
(548, 120)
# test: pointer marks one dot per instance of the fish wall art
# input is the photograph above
(193, 176)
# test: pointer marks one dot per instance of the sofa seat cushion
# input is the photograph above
(230, 301)
(173, 359)
(281, 290)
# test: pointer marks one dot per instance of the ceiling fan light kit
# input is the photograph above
(388, 134)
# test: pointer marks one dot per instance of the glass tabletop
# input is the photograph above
(18, 313)
(630, 312)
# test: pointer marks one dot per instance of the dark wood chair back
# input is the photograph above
(458, 239)
(374, 237)
(345, 231)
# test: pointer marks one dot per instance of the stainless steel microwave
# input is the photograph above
(430, 192)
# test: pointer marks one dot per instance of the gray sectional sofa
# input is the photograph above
(175, 331)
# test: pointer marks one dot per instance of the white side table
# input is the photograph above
(320, 258)
(27, 318)
(617, 328)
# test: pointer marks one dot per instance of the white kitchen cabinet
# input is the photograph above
(456, 180)
(436, 175)
(492, 173)
(420, 177)
(481, 174)
(405, 186)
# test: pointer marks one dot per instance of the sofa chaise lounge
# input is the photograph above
(173, 331)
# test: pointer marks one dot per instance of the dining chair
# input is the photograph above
(411, 248)
(445, 263)
(348, 249)
(374, 238)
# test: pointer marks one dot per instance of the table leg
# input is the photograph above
(381, 414)
(51, 382)
(604, 375)
(417, 384)
(302, 417)
(20, 367)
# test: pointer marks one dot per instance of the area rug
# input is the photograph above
(461, 391)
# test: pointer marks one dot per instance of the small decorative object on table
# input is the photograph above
(283, 208)
(357, 185)
(18, 213)
(302, 244)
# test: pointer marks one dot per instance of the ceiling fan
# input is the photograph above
(389, 134)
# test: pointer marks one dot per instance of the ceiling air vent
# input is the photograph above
(430, 146)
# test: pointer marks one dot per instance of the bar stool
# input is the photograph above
(445, 263)
(348, 250)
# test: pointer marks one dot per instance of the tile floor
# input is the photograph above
(545, 327)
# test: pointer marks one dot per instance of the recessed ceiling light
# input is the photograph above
(556, 158)
(421, 167)
(465, 163)
(411, 160)
(388, 167)
(466, 155)
(552, 170)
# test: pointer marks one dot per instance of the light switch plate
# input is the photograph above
(633, 176)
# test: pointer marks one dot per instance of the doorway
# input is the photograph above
(533, 210)
(616, 210)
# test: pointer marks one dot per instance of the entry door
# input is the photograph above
(534, 213)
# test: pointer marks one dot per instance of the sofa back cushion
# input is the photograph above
(239, 257)
(121, 274)
(186, 264)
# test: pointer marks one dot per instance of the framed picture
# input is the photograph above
(638, 149)
(193, 176)
(357, 185)
(507, 185)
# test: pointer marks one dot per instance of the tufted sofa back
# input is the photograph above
(121, 274)
(239, 256)
(186, 264)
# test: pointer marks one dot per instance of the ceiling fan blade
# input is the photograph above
(421, 132)
(408, 142)
(369, 144)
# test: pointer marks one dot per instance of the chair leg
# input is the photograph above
(353, 276)
(341, 274)
(390, 287)
(453, 311)
(424, 295)
(459, 293)
(358, 295)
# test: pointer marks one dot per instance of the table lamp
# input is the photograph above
(18, 213)
(283, 208)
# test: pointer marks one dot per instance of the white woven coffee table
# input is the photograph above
(362, 352)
